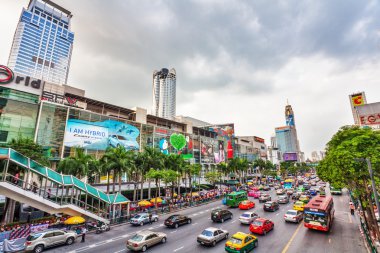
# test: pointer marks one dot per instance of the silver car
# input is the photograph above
(248, 217)
(210, 236)
(39, 241)
(293, 216)
(142, 218)
(283, 199)
(145, 239)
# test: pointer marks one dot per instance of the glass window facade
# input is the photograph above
(42, 44)
(18, 114)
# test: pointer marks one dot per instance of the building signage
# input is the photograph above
(371, 119)
(290, 157)
(19, 82)
(258, 139)
(357, 99)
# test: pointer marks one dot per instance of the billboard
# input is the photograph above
(290, 157)
(258, 139)
(357, 99)
(100, 135)
(220, 155)
(226, 131)
(369, 114)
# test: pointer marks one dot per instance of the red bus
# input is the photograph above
(319, 213)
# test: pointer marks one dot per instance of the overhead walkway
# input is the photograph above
(51, 192)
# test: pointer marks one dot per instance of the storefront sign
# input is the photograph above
(357, 99)
(372, 119)
(19, 82)
(258, 139)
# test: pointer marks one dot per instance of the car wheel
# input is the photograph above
(163, 240)
(188, 221)
(155, 219)
(222, 220)
(176, 225)
(143, 249)
(213, 243)
(226, 237)
(38, 248)
(256, 244)
(141, 223)
(70, 241)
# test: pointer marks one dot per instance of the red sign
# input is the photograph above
(258, 139)
(8, 73)
(371, 119)
(161, 131)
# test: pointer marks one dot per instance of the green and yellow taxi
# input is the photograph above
(305, 199)
(241, 243)
(299, 206)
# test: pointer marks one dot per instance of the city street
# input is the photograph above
(286, 237)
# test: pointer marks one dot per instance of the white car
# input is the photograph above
(293, 216)
(248, 217)
(119, 140)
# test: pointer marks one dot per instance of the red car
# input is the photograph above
(254, 188)
(261, 226)
(246, 204)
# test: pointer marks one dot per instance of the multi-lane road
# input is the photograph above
(286, 237)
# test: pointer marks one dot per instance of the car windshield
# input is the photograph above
(298, 203)
(245, 215)
(235, 240)
(119, 137)
(291, 212)
(33, 237)
(172, 218)
(282, 197)
(137, 238)
(137, 216)
(257, 223)
(207, 233)
(268, 204)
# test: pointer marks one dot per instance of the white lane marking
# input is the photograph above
(233, 221)
(277, 214)
(178, 249)
(120, 251)
(173, 231)
(92, 246)
(195, 223)
(110, 240)
(201, 212)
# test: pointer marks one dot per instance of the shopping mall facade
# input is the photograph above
(61, 117)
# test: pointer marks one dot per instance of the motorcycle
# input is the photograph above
(103, 228)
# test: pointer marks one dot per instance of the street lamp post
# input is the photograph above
(373, 185)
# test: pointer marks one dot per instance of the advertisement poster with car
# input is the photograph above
(100, 135)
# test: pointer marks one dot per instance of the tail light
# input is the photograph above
(28, 243)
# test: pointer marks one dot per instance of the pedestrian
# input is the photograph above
(150, 217)
(352, 208)
(34, 187)
(84, 231)
(49, 193)
(16, 178)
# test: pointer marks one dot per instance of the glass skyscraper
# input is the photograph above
(43, 43)
(164, 93)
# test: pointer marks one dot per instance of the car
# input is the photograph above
(271, 206)
(260, 187)
(266, 188)
(142, 218)
(254, 188)
(39, 241)
(264, 198)
(246, 204)
(176, 220)
(276, 187)
(299, 206)
(145, 239)
(289, 191)
(293, 216)
(241, 242)
(261, 226)
(271, 184)
(255, 194)
(248, 217)
(280, 191)
(210, 236)
(313, 183)
(335, 191)
(220, 215)
(283, 199)
(119, 140)
(313, 191)
(304, 198)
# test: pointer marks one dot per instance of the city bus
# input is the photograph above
(234, 198)
(288, 183)
(319, 213)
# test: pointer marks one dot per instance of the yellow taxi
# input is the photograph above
(241, 242)
(299, 206)
(304, 199)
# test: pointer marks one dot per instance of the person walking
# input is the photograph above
(84, 231)
(352, 208)
(150, 217)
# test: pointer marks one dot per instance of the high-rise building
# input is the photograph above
(164, 93)
(43, 43)
(286, 137)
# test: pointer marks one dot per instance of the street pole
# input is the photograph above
(373, 185)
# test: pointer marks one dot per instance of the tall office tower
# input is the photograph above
(43, 43)
(357, 99)
(164, 93)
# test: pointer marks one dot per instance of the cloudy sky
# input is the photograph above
(236, 61)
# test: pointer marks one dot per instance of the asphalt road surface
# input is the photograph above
(286, 237)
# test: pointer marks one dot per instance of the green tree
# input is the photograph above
(342, 168)
(212, 177)
(77, 165)
(191, 171)
(157, 176)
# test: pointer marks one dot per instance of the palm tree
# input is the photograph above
(156, 175)
(192, 170)
(77, 165)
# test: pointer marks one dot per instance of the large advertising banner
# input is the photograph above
(357, 99)
(226, 131)
(291, 157)
(100, 135)
(220, 154)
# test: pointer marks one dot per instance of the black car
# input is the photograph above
(174, 221)
(306, 186)
(220, 215)
(266, 188)
(271, 206)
